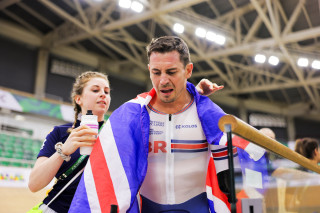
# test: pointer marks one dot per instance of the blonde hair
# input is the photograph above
(77, 89)
(268, 132)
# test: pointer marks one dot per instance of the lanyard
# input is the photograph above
(75, 165)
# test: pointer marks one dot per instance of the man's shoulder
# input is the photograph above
(207, 102)
(128, 109)
(138, 102)
(143, 98)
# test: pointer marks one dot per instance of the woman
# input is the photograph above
(309, 148)
(91, 91)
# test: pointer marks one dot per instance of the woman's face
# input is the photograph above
(95, 96)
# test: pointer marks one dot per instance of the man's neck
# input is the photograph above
(172, 107)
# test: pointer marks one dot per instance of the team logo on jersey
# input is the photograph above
(155, 132)
(186, 126)
(156, 123)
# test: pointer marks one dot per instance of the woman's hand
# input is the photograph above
(80, 136)
(206, 87)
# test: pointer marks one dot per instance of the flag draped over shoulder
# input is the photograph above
(118, 163)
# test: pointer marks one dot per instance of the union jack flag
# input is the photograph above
(118, 163)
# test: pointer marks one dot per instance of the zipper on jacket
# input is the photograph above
(169, 163)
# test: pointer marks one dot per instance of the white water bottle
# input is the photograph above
(91, 121)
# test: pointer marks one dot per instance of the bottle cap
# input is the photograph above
(89, 112)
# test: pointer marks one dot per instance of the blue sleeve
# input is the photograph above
(47, 148)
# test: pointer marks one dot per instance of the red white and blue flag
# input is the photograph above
(118, 163)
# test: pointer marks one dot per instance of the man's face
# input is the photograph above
(169, 75)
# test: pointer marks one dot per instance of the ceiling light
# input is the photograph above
(220, 39)
(137, 6)
(273, 60)
(211, 36)
(303, 62)
(201, 32)
(259, 58)
(315, 64)
(125, 3)
(178, 28)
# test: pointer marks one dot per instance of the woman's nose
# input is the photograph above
(102, 94)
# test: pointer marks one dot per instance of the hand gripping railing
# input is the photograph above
(253, 135)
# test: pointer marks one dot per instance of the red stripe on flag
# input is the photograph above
(239, 142)
(152, 92)
(212, 181)
(142, 95)
(102, 178)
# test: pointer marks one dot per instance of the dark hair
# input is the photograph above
(167, 44)
(77, 89)
(306, 147)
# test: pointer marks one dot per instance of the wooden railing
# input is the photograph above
(253, 135)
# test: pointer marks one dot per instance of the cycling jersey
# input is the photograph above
(178, 156)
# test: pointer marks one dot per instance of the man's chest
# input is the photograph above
(176, 133)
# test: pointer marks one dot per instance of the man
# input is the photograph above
(159, 144)
(178, 150)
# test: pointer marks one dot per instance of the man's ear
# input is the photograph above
(189, 69)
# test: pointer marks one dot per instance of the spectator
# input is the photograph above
(309, 148)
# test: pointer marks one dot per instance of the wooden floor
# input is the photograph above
(19, 200)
